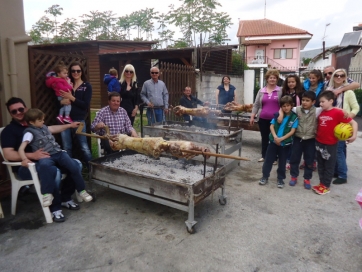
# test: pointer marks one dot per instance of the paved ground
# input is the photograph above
(262, 228)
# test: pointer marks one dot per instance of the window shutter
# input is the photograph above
(289, 53)
(276, 53)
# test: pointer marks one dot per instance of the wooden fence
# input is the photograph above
(176, 78)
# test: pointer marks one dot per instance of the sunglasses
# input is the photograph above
(154, 73)
(340, 75)
(128, 71)
(329, 73)
(21, 110)
(76, 71)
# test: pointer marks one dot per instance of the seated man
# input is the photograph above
(190, 101)
(115, 118)
(11, 139)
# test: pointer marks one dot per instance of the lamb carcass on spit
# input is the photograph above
(154, 146)
(199, 112)
(233, 106)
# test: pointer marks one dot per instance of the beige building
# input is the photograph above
(14, 67)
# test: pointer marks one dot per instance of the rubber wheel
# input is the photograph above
(94, 195)
(222, 201)
(192, 231)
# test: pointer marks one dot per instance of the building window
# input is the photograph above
(285, 53)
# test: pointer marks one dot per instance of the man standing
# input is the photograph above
(154, 93)
(191, 102)
(11, 139)
(115, 118)
(328, 71)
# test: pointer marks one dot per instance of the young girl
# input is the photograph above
(314, 83)
(58, 80)
(294, 89)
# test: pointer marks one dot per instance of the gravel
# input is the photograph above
(165, 168)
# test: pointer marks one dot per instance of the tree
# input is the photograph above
(197, 16)
(55, 10)
(142, 20)
(68, 32)
(218, 34)
(97, 25)
(124, 23)
(45, 27)
(165, 34)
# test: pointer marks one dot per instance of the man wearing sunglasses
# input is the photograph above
(155, 94)
(328, 71)
(11, 138)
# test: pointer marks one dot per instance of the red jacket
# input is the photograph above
(58, 84)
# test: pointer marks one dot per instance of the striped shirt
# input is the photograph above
(118, 122)
(155, 93)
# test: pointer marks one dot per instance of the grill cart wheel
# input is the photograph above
(191, 231)
(222, 200)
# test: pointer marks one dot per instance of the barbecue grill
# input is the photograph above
(216, 136)
(161, 186)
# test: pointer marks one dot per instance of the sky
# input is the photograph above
(309, 15)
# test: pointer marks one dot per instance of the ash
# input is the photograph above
(198, 129)
(165, 168)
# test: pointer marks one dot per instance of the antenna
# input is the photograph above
(265, 9)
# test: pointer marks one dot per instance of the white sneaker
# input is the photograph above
(47, 200)
(261, 160)
(85, 196)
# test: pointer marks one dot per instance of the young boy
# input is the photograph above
(38, 136)
(111, 80)
(280, 141)
(304, 139)
(326, 142)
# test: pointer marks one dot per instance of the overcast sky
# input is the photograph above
(310, 15)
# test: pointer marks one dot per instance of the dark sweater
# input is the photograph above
(129, 98)
(80, 106)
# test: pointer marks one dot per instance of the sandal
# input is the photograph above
(71, 205)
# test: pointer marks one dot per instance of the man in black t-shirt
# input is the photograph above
(191, 102)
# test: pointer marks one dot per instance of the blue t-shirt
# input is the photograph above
(280, 131)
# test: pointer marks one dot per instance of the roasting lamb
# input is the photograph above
(232, 106)
(199, 112)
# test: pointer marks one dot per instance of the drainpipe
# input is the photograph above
(11, 42)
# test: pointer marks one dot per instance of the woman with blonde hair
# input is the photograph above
(265, 106)
(129, 91)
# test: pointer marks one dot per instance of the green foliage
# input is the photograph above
(306, 61)
(358, 94)
(238, 64)
(192, 17)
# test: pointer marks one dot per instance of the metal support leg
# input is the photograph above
(190, 223)
(222, 197)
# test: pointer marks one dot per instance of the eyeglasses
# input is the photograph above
(21, 110)
(329, 73)
(154, 73)
(339, 75)
(128, 71)
(76, 71)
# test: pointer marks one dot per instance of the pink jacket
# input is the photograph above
(58, 84)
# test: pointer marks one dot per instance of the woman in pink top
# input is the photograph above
(265, 106)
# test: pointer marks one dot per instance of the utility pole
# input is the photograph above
(265, 9)
(324, 43)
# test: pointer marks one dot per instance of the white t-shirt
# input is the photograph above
(28, 137)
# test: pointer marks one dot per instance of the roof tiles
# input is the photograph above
(266, 27)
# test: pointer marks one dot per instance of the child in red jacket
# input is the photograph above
(58, 80)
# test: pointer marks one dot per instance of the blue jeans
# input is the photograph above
(151, 118)
(62, 194)
(341, 164)
(271, 152)
(67, 136)
(307, 148)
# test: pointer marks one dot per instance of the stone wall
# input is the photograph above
(207, 88)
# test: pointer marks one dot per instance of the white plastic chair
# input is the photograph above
(16, 184)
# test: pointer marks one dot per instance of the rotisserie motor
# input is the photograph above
(199, 112)
(232, 106)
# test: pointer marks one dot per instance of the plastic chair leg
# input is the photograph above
(46, 210)
(1, 212)
(15, 187)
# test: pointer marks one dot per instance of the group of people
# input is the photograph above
(298, 120)
(27, 139)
